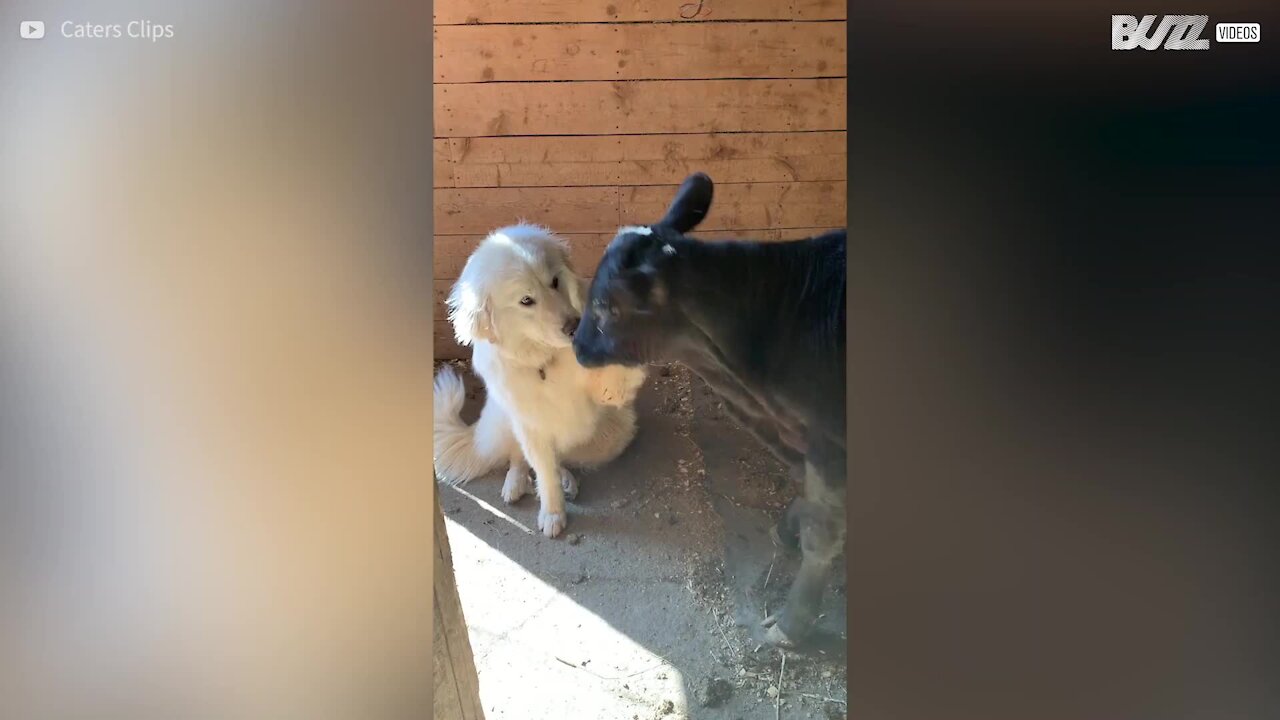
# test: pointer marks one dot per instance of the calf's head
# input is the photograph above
(629, 318)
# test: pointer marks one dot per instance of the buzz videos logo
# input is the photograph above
(1175, 32)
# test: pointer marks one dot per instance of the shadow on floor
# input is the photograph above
(650, 605)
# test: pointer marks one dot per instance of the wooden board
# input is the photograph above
(456, 690)
(477, 211)
(466, 211)
(445, 347)
(469, 12)
(483, 53)
(451, 252)
(639, 107)
(441, 165)
(766, 235)
(748, 205)
(641, 159)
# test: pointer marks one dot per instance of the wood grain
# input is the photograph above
(451, 252)
(484, 53)
(441, 164)
(456, 694)
(445, 346)
(639, 107)
(643, 159)
(765, 235)
(478, 211)
(748, 205)
(470, 12)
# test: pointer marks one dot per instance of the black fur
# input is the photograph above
(764, 324)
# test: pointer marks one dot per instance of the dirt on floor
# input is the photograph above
(650, 605)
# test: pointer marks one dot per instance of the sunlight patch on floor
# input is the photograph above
(539, 654)
(493, 510)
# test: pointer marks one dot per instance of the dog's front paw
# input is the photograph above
(516, 485)
(617, 386)
(610, 396)
(569, 483)
(552, 523)
(634, 381)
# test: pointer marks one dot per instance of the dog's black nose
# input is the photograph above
(571, 326)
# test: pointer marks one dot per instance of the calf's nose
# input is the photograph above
(571, 326)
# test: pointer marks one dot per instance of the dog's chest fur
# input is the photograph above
(551, 397)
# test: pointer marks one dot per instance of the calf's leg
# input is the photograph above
(821, 519)
(787, 532)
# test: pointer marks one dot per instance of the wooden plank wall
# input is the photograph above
(586, 116)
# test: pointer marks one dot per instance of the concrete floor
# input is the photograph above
(655, 594)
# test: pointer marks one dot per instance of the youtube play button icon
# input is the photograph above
(31, 29)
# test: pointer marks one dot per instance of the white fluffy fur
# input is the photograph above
(573, 416)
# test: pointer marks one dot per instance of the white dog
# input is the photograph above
(518, 303)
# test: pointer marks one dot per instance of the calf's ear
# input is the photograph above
(692, 202)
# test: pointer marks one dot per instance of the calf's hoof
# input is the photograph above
(784, 537)
(792, 625)
(774, 635)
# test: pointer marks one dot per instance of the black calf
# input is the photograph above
(764, 325)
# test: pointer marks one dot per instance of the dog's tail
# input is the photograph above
(465, 452)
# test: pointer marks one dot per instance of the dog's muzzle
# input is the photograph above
(571, 326)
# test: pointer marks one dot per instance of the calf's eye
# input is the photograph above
(526, 301)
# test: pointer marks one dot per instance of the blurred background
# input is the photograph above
(1064, 285)
(215, 357)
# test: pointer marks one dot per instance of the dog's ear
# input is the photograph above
(693, 201)
(471, 315)
(577, 289)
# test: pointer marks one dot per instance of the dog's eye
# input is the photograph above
(526, 301)
(555, 282)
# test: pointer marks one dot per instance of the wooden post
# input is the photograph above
(457, 688)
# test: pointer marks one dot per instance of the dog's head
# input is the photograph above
(517, 290)
(629, 319)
